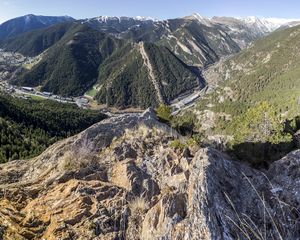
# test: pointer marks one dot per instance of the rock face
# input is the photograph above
(120, 179)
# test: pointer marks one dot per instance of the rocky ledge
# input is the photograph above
(121, 179)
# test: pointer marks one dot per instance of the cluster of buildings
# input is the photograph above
(10, 62)
(81, 102)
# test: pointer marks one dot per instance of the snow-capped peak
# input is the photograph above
(250, 19)
(140, 18)
(269, 24)
(200, 18)
(276, 23)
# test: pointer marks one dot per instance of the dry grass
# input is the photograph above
(138, 206)
(73, 161)
(282, 226)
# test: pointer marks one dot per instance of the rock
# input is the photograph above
(127, 175)
(297, 138)
(120, 179)
(162, 219)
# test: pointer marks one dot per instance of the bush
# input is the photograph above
(177, 144)
(164, 112)
(259, 124)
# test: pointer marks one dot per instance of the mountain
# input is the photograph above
(242, 31)
(125, 178)
(267, 71)
(28, 23)
(37, 41)
(252, 105)
(105, 54)
(142, 75)
(127, 74)
(246, 30)
(116, 25)
(71, 65)
(192, 44)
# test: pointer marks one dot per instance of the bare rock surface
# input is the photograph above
(120, 179)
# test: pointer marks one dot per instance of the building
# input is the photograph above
(28, 89)
(82, 103)
(47, 94)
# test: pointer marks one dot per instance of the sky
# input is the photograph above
(159, 9)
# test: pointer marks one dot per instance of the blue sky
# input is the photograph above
(160, 9)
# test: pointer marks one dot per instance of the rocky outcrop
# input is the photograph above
(121, 179)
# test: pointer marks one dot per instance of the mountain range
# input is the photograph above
(224, 166)
(113, 55)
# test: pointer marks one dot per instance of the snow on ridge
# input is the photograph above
(204, 20)
(105, 19)
(141, 18)
(270, 24)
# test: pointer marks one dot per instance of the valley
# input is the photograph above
(135, 128)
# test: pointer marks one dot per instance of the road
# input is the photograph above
(187, 101)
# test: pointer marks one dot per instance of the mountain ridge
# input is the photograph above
(195, 41)
(26, 23)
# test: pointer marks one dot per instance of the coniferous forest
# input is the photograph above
(28, 127)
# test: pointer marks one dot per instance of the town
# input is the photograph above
(33, 93)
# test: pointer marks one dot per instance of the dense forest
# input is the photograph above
(125, 79)
(27, 127)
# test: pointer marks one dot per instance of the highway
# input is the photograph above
(187, 101)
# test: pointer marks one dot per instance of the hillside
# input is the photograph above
(143, 75)
(28, 127)
(267, 71)
(192, 41)
(252, 106)
(124, 178)
(84, 57)
(16, 26)
(71, 66)
(35, 42)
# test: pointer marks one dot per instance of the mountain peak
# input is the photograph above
(199, 18)
(142, 18)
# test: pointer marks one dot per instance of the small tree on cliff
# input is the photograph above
(164, 112)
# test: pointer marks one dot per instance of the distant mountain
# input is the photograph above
(270, 24)
(36, 41)
(136, 62)
(195, 39)
(245, 30)
(28, 23)
(143, 75)
(190, 40)
(116, 25)
(127, 74)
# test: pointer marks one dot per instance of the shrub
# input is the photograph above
(177, 144)
(164, 112)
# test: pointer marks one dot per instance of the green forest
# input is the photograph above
(28, 127)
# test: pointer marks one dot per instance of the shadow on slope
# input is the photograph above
(259, 154)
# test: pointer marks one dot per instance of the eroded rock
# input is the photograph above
(120, 179)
